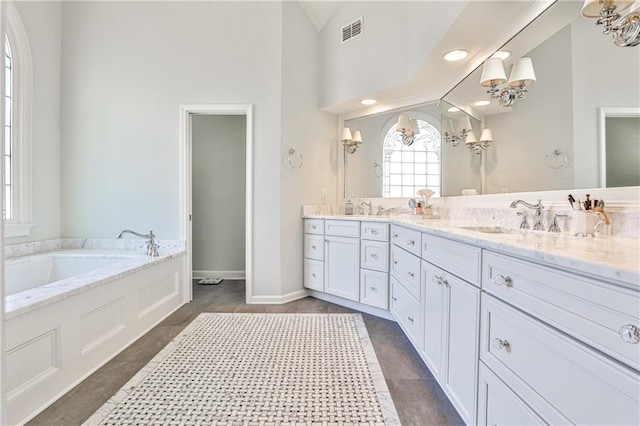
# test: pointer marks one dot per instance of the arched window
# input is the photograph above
(17, 207)
(408, 169)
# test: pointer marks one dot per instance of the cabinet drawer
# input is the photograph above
(374, 231)
(591, 311)
(314, 274)
(314, 226)
(406, 268)
(458, 258)
(406, 310)
(374, 255)
(314, 247)
(498, 405)
(408, 239)
(374, 288)
(581, 384)
(342, 228)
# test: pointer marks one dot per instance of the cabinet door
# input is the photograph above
(462, 342)
(435, 295)
(342, 267)
(314, 274)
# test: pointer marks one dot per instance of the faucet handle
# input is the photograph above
(554, 227)
(525, 223)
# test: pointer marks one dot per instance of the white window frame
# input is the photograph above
(22, 197)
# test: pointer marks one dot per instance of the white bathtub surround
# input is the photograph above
(245, 370)
(59, 333)
(35, 247)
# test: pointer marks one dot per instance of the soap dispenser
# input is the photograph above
(348, 207)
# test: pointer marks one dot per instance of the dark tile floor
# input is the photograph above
(417, 396)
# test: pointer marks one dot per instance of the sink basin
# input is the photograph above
(490, 229)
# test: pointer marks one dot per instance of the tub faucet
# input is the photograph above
(537, 223)
(152, 247)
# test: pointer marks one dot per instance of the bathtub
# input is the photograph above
(68, 312)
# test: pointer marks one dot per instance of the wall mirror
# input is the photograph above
(551, 140)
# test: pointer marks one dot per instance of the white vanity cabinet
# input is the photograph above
(374, 264)
(314, 254)
(451, 311)
(342, 259)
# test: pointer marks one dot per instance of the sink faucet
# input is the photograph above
(152, 247)
(537, 224)
(368, 206)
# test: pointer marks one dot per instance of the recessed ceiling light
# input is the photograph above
(502, 54)
(455, 55)
(368, 102)
(453, 109)
(482, 103)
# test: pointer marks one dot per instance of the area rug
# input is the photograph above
(258, 369)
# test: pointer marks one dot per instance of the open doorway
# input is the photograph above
(213, 213)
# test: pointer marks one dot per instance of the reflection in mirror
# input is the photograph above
(549, 140)
(619, 147)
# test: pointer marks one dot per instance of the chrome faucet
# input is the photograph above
(369, 207)
(152, 247)
(537, 216)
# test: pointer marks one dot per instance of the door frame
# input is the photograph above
(186, 187)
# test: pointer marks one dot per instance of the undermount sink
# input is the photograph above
(490, 229)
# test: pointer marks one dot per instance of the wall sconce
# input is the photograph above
(350, 141)
(522, 75)
(478, 146)
(408, 128)
(455, 137)
(625, 30)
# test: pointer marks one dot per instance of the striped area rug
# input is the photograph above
(258, 369)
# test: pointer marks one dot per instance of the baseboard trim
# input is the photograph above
(278, 300)
(227, 275)
(382, 313)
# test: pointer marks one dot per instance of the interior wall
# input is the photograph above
(218, 195)
(126, 69)
(42, 21)
(310, 132)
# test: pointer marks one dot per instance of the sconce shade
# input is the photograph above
(592, 8)
(447, 126)
(486, 136)
(522, 72)
(493, 70)
(464, 125)
(403, 124)
(357, 136)
(346, 134)
(471, 138)
(414, 126)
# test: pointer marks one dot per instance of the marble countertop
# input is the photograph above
(609, 258)
(34, 298)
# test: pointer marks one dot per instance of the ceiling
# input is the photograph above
(319, 12)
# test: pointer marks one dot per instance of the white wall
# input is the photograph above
(309, 131)
(127, 66)
(42, 22)
(218, 170)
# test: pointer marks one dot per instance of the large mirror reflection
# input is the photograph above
(555, 138)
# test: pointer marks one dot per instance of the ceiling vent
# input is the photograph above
(351, 30)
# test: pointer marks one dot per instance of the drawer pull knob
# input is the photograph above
(411, 242)
(374, 231)
(394, 299)
(395, 262)
(440, 280)
(630, 334)
(313, 247)
(395, 235)
(374, 289)
(313, 275)
(313, 226)
(501, 344)
(504, 280)
(374, 256)
(412, 275)
(410, 319)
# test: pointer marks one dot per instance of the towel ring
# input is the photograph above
(556, 160)
(295, 161)
(377, 169)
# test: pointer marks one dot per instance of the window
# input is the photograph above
(408, 169)
(17, 79)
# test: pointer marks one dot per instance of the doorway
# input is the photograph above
(204, 117)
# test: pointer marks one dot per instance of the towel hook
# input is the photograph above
(377, 169)
(295, 161)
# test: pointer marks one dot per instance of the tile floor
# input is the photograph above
(418, 398)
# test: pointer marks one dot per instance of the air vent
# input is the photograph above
(352, 30)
